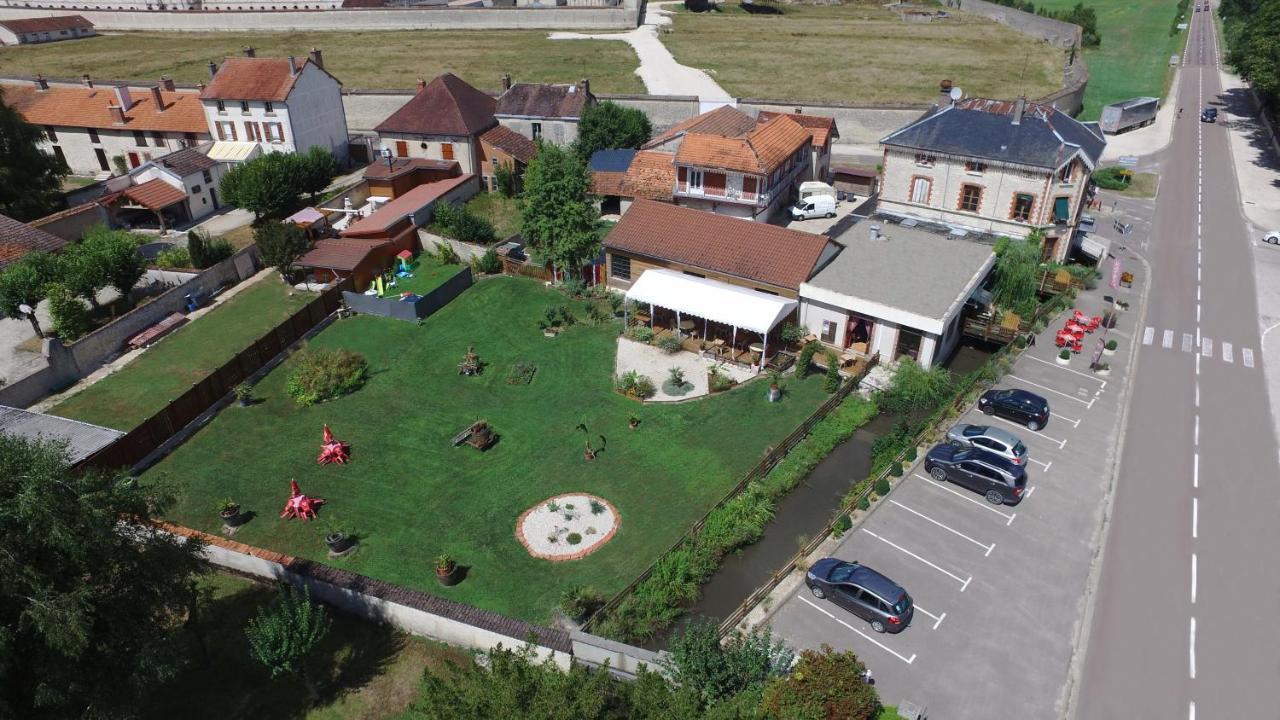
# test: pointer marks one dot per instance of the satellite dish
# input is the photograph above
(25, 309)
(956, 94)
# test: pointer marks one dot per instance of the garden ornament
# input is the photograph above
(300, 506)
(333, 451)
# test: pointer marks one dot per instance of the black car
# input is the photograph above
(1020, 406)
(863, 592)
(984, 472)
(1209, 115)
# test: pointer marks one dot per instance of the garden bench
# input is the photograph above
(157, 331)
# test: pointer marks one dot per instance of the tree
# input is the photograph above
(823, 686)
(1251, 28)
(316, 167)
(268, 186)
(87, 604)
(30, 178)
(558, 218)
(607, 125)
(24, 283)
(206, 251)
(283, 635)
(81, 272)
(70, 316)
(281, 244)
(716, 671)
(916, 390)
(116, 252)
(1016, 273)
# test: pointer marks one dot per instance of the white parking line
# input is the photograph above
(1029, 491)
(984, 505)
(964, 582)
(1226, 353)
(1044, 465)
(868, 638)
(1061, 443)
(937, 619)
(1167, 342)
(1148, 335)
(1074, 423)
(984, 546)
(1206, 347)
(1246, 354)
(1059, 392)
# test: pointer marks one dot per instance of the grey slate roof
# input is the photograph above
(82, 438)
(186, 162)
(1045, 138)
(916, 270)
(543, 101)
(617, 160)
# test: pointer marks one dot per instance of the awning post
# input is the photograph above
(764, 354)
(650, 316)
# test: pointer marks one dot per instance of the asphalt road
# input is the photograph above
(1185, 620)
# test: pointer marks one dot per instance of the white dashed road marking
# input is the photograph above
(1186, 342)
(1206, 347)
(1148, 335)
(1227, 355)
(1167, 342)
(1246, 354)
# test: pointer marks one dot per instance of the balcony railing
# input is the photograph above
(728, 193)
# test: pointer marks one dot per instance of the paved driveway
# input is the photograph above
(1000, 590)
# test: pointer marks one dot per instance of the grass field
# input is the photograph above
(503, 212)
(138, 390)
(860, 53)
(409, 495)
(359, 59)
(427, 276)
(364, 671)
(1133, 59)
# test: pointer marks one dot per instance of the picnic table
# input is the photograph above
(157, 331)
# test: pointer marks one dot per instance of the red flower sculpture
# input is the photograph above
(333, 451)
(300, 506)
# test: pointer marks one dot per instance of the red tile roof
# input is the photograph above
(446, 106)
(416, 199)
(88, 108)
(341, 254)
(608, 183)
(725, 121)
(400, 166)
(717, 243)
(46, 24)
(759, 151)
(510, 142)
(154, 194)
(17, 239)
(254, 78)
(651, 175)
(820, 127)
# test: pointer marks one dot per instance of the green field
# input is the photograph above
(860, 53)
(427, 276)
(1133, 59)
(137, 391)
(409, 495)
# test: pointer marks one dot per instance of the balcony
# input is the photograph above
(727, 194)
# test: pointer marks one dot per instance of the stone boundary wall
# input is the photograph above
(430, 18)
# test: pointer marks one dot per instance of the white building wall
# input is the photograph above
(463, 150)
(814, 312)
(8, 37)
(78, 147)
(557, 131)
(312, 116)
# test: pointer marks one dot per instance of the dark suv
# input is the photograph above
(863, 592)
(1209, 115)
(1018, 405)
(982, 471)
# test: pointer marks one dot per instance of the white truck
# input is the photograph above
(1128, 114)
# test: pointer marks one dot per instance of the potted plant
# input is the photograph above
(447, 570)
(1110, 347)
(1102, 369)
(229, 511)
(337, 537)
(633, 422)
(775, 387)
(244, 394)
(1064, 357)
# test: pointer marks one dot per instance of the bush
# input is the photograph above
(205, 251)
(445, 254)
(824, 684)
(175, 257)
(504, 179)
(668, 344)
(895, 469)
(633, 384)
(577, 602)
(833, 372)
(914, 390)
(573, 538)
(1065, 354)
(719, 381)
(521, 373)
(70, 316)
(886, 447)
(489, 263)
(1112, 345)
(597, 314)
(841, 526)
(911, 454)
(1113, 178)
(573, 287)
(556, 316)
(805, 358)
(864, 503)
(326, 374)
(791, 333)
(641, 333)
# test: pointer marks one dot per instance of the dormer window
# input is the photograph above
(975, 167)
(222, 107)
(244, 106)
(1067, 173)
(924, 160)
(268, 107)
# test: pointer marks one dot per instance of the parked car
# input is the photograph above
(1209, 115)
(992, 439)
(814, 206)
(998, 480)
(862, 591)
(1272, 237)
(1020, 406)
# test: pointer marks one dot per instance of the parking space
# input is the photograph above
(999, 589)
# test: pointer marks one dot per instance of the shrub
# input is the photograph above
(882, 485)
(841, 526)
(445, 254)
(641, 333)
(573, 538)
(791, 333)
(833, 372)
(1113, 178)
(1065, 354)
(556, 316)
(805, 358)
(912, 454)
(644, 388)
(718, 380)
(864, 503)
(1112, 345)
(489, 263)
(676, 376)
(895, 469)
(1020, 342)
(175, 257)
(521, 373)
(205, 251)
(573, 287)
(824, 684)
(597, 314)
(504, 179)
(635, 385)
(70, 316)
(597, 507)
(668, 344)
(326, 374)
(577, 602)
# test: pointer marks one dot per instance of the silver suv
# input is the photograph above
(992, 439)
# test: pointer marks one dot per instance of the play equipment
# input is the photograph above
(478, 435)
(300, 506)
(470, 364)
(333, 451)
(403, 266)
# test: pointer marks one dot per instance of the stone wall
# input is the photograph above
(1060, 34)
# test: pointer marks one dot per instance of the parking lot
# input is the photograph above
(1000, 590)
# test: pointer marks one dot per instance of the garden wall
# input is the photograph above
(414, 311)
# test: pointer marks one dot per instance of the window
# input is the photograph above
(51, 133)
(536, 130)
(1066, 173)
(924, 160)
(620, 267)
(93, 136)
(139, 138)
(828, 332)
(1062, 210)
(275, 132)
(222, 107)
(208, 177)
(921, 188)
(157, 138)
(244, 107)
(1022, 205)
(975, 167)
(195, 188)
(695, 181)
(226, 130)
(494, 161)
(190, 138)
(269, 108)
(102, 158)
(446, 151)
(970, 198)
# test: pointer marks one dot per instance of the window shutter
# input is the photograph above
(222, 135)
(749, 185)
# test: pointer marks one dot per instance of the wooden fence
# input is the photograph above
(762, 468)
(130, 449)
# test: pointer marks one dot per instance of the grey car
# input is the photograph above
(992, 439)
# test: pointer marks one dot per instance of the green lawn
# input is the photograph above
(364, 671)
(134, 393)
(410, 495)
(503, 212)
(1133, 59)
(427, 276)
(860, 52)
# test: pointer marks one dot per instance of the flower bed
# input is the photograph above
(567, 527)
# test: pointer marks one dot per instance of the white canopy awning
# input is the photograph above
(1096, 246)
(229, 151)
(711, 299)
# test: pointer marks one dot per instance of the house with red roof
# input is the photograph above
(292, 104)
(17, 239)
(25, 31)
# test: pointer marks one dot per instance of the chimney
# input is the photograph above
(117, 115)
(422, 84)
(88, 82)
(584, 85)
(41, 83)
(317, 57)
(156, 98)
(249, 51)
(506, 82)
(166, 83)
(873, 233)
(123, 99)
(1019, 107)
(200, 87)
(799, 111)
(293, 65)
(944, 87)
(213, 69)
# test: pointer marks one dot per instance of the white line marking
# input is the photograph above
(1227, 355)
(1195, 470)
(1074, 423)
(1186, 342)
(984, 546)
(1059, 392)
(1192, 648)
(1148, 335)
(1042, 464)
(1167, 342)
(1191, 712)
(1094, 378)
(1206, 347)
(984, 505)
(1061, 443)
(1246, 354)
(1195, 518)
(964, 583)
(1196, 436)
(937, 618)
(1197, 365)
(1030, 490)
(1193, 578)
(1197, 393)
(868, 638)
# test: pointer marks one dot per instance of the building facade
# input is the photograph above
(540, 111)
(190, 171)
(27, 31)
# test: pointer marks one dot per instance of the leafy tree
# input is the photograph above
(1251, 28)
(558, 218)
(87, 605)
(30, 178)
(281, 244)
(283, 635)
(116, 251)
(607, 125)
(1016, 273)
(716, 671)
(80, 271)
(206, 251)
(917, 390)
(268, 186)
(24, 283)
(316, 167)
(504, 178)
(823, 685)
(70, 316)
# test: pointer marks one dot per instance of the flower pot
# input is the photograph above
(230, 516)
(775, 393)
(633, 424)
(550, 332)
(588, 455)
(448, 576)
(1063, 361)
(1108, 352)
(1103, 372)
(246, 401)
(338, 543)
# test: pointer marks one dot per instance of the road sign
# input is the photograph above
(1128, 161)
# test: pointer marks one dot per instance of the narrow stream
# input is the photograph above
(802, 512)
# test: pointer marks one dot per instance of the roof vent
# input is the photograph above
(873, 233)
(909, 222)
(41, 83)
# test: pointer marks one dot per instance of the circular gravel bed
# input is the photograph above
(567, 527)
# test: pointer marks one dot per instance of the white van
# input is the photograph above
(814, 206)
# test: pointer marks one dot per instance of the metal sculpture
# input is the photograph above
(300, 506)
(333, 451)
